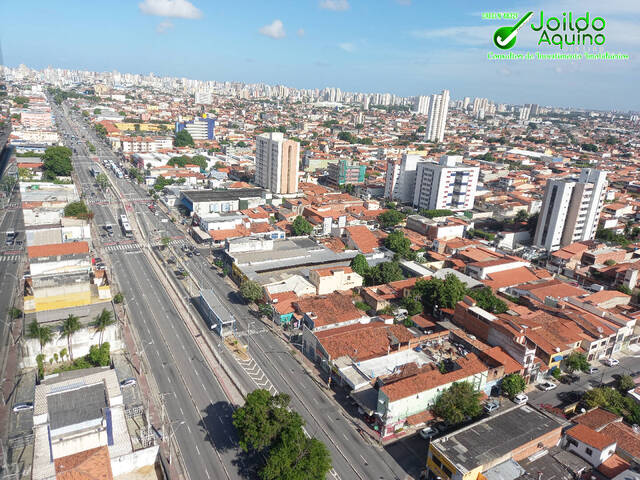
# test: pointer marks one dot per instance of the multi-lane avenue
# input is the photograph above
(207, 437)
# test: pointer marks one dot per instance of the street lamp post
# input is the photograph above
(172, 434)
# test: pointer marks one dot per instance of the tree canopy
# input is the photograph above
(443, 293)
(612, 400)
(251, 291)
(513, 384)
(183, 160)
(76, 209)
(486, 300)
(390, 218)
(384, 272)
(266, 425)
(458, 403)
(436, 213)
(397, 242)
(301, 226)
(577, 361)
(56, 161)
(183, 139)
(360, 265)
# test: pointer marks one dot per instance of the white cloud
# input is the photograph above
(348, 47)
(170, 8)
(463, 35)
(335, 5)
(274, 30)
(300, 32)
(164, 27)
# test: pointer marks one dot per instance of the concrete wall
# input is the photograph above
(82, 341)
(134, 460)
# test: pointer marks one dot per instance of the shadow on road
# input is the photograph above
(217, 422)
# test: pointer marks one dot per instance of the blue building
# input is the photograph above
(200, 128)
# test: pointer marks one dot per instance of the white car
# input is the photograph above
(520, 398)
(128, 382)
(428, 432)
(21, 407)
(611, 362)
(546, 386)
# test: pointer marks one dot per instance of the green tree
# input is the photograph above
(76, 209)
(165, 241)
(102, 180)
(162, 182)
(183, 139)
(412, 304)
(97, 111)
(251, 291)
(390, 218)
(56, 161)
(118, 298)
(397, 242)
(21, 101)
(15, 313)
(360, 265)
(513, 384)
(443, 293)
(101, 130)
(384, 272)
(261, 419)
(296, 457)
(457, 403)
(7, 183)
(625, 383)
(488, 301)
(266, 310)
(301, 226)
(521, 216)
(99, 355)
(102, 321)
(577, 361)
(436, 213)
(70, 326)
(41, 333)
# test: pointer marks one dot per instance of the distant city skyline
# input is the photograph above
(403, 47)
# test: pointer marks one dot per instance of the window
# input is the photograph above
(588, 451)
(571, 441)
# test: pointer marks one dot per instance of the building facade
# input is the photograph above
(277, 162)
(438, 109)
(200, 128)
(571, 209)
(445, 185)
(345, 172)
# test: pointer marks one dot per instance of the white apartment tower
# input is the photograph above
(571, 209)
(445, 185)
(438, 109)
(401, 178)
(277, 162)
(422, 105)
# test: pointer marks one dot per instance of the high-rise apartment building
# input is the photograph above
(401, 178)
(438, 109)
(571, 209)
(422, 105)
(445, 185)
(277, 163)
(525, 111)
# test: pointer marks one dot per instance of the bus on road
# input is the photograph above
(126, 228)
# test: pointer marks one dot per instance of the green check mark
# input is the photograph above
(505, 37)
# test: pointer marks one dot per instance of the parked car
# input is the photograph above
(491, 406)
(428, 432)
(546, 386)
(611, 362)
(593, 370)
(520, 398)
(127, 382)
(569, 379)
(22, 407)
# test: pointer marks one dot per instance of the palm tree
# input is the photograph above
(103, 320)
(42, 334)
(70, 326)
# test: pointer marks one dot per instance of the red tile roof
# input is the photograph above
(590, 437)
(613, 466)
(93, 464)
(628, 440)
(596, 418)
(363, 238)
(55, 249)
(329, 309)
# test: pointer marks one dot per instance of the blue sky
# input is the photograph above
(407, 47)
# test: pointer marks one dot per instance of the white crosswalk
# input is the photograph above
(9, 258)
(122, 248)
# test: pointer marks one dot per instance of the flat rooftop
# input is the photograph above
(85, 313)
(76, 406)
(293, 255)
(219, 195)
(494, 437)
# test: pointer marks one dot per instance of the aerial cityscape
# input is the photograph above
(357, 266)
